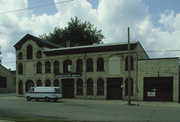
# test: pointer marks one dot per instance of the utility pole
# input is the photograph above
(0, 55)
(129, 70)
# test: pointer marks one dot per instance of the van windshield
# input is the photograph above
(57, 90)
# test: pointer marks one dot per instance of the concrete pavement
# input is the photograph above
(91, 110)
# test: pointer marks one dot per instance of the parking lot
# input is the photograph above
(90, 110)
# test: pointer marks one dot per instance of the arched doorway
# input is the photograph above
(20, 87)
(29, 84)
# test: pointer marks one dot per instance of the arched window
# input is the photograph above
(100, 64)
(100, 87)
(89, 65)
(131, 63)
(67, 66)
(79, 65)
(56, 82)
(20, 68)
(39, 54)
(48, 67)
(56, 67)
(39, 83)
(79, 87)
(126, 87)
(20, 87)
(48, 83)
(20, 56)
(29, 52)
(29, 84)
(39, 67)
(89, 87)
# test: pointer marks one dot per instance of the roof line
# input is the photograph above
(89, 46)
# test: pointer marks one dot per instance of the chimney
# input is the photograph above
(67, 43)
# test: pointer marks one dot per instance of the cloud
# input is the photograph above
(113, 17)
(166, 37)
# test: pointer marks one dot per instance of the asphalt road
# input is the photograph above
(91, 110)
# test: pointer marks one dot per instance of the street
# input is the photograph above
(91, 110)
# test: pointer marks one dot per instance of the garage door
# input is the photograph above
(68, 88)
(158, 88)
(114, 90)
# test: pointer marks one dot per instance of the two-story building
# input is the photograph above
(94, 71)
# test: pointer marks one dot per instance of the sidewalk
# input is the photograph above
(12, 96)
(8, 94)
(122, 102)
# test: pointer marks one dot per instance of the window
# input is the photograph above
(20, 56)
(20, 68)
(56, 82)
(89, 65)
(39, 83)
(48, 67)
(39, 54)
(89, 87)
(100, 87)
(126, 87)
(79, 87)
(29, 52)
(39, 67)
(48, 83)
(67, 66)
(3, 82)
(100, 64)
(131, 63)
(56, 67)
(79, 65)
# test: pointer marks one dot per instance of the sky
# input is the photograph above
(154, 23)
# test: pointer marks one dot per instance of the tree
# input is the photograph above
(78, 33)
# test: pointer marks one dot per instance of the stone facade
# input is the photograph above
(114, 66)
(162, 67)
(7, 80)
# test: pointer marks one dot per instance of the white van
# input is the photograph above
(47, 93)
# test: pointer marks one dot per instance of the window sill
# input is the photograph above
(100, 71)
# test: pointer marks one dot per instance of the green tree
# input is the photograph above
(78, 33)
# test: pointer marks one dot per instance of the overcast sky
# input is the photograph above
(155, 23)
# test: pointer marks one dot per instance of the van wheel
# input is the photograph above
(47, 99)
(28, 98)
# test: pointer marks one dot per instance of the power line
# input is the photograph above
(40, 6)
(163, 50)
